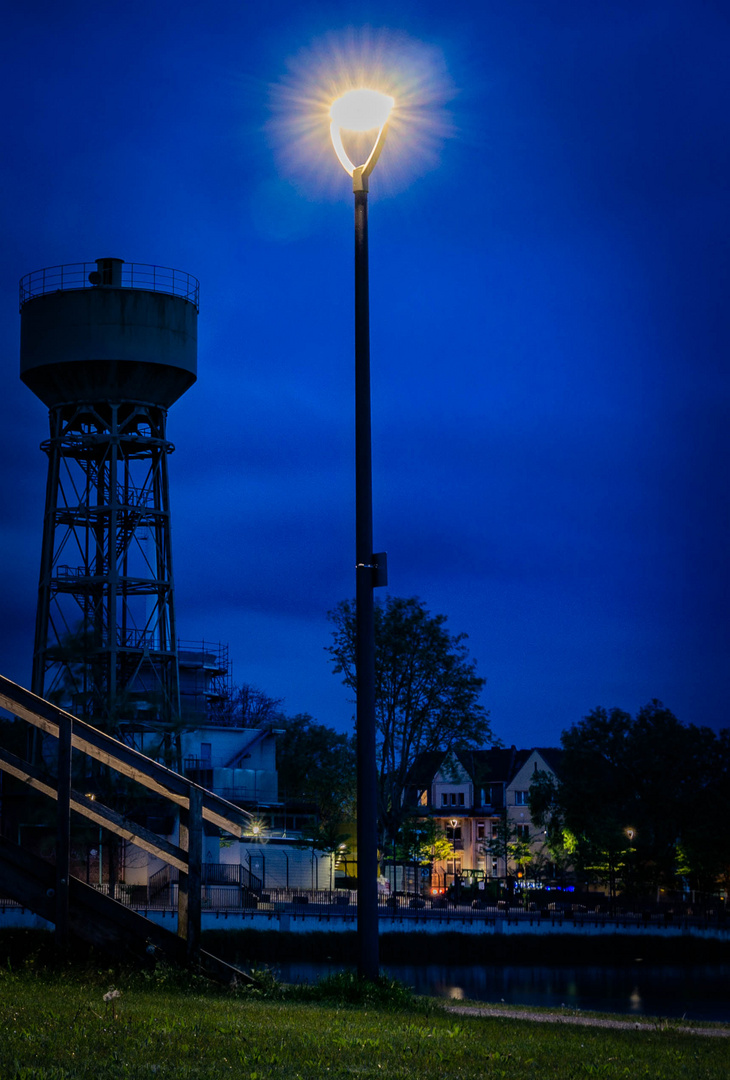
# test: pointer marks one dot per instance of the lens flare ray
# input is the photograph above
(412, 73)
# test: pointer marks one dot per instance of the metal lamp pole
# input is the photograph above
(370, 568)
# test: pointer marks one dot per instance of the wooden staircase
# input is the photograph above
(77, 909)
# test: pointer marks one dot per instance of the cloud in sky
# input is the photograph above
(549, 333)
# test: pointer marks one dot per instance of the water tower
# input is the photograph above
(108, 347)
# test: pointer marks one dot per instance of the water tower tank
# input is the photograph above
(108, 347)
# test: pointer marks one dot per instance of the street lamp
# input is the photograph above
(364, 110)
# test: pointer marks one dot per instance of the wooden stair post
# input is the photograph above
(63, 831)
(190, 883)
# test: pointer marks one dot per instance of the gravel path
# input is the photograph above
(587, 1021)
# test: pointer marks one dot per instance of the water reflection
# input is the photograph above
(695, 991)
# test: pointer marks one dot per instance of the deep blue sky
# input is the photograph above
(549, 302)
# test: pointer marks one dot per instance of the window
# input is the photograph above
(461, 798)
(523, 832)
(495, 831)
(444, 799)
(480, 830)
(521, 798)
(453, 798)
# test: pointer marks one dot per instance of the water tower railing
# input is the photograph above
(162, 279)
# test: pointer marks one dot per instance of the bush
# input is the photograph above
(346, 988)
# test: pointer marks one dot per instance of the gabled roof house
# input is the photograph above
(473, 795)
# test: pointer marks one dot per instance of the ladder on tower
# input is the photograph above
(76, 908)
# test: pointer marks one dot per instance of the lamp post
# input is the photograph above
(364, 110)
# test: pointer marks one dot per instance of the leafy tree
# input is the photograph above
(426, 692)
(634, 791)
(317, 764)
(705, 847)
(547, 813)
(507, 844)
(422, 841)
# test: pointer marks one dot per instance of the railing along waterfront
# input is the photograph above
(222, 897)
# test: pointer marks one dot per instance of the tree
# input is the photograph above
(635, 792)
(426, 692)
(507, 844)
(317, 764)
(422, 841)
(247, 706)
(547, 813)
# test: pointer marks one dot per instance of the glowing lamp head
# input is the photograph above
(361, 110)
(358, 111)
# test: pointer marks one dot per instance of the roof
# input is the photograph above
(257, 735)
(425, 768)
(553, 756)
(495, 765)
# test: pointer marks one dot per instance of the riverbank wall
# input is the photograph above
(427, 924)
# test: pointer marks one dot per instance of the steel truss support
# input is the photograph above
(105, 639)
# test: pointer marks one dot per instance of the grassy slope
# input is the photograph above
(55, 1025)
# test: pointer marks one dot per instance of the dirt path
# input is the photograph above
(587, 1021)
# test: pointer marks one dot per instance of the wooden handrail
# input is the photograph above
(195, 804)
(124, 759)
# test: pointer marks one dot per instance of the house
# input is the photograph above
(480, 800)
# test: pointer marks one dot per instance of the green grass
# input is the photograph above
(55, 1024)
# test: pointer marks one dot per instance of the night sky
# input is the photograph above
(549, 228)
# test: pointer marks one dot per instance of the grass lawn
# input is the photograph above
(55, 1024)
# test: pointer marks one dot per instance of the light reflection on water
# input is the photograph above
(695, 991)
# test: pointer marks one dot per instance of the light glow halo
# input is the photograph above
(412, 72)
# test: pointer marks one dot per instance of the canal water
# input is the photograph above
(692, 991)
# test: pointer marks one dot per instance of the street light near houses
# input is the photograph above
(364, 110)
